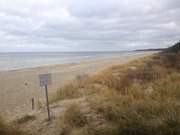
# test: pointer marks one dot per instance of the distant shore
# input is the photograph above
(19, 86)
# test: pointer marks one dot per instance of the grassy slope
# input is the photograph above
(141, 98)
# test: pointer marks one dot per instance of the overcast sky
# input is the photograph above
(88, 25)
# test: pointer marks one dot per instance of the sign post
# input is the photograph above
(32, 100)
(45, 80)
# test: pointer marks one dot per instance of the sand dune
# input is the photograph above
(18, 87)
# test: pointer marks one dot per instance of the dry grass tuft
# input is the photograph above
(7, 129)
(74, 117)
(25, 119)
(73, 120)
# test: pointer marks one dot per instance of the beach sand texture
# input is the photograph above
(17, 88)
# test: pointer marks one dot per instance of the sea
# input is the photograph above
(22, 60)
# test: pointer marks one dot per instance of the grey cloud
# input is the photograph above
(88, 25)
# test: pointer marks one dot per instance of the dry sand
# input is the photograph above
(18, 87)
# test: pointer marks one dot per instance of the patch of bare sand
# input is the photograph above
(41, 126)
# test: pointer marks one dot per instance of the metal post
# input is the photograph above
(32, 103)
(47, 102)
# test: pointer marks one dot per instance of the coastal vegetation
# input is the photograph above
(9, 129)
(140, 98)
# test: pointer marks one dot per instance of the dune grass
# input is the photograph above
(7, 129)
(25, 118)
(73, 119)
(140, 98)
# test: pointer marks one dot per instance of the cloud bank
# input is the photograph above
(88, 25)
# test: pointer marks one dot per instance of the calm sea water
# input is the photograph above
(15, 61)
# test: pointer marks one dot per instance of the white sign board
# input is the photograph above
(45, 79)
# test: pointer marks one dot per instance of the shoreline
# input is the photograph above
(74, 63)
(19, 86)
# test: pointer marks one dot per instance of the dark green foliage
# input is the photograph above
(174, 49)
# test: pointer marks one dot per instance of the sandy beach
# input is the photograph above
(17, 88)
